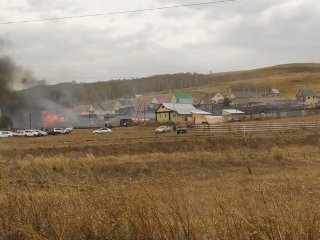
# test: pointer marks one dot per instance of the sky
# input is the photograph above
(237, 35)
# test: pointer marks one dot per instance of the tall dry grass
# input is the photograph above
(260, 187)
(172, 210)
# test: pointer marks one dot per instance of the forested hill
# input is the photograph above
(287, 78)
(84, 93)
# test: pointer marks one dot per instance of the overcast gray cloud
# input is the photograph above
(219, 37)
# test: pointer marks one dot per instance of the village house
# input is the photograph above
(87, 116)
(104, 108)
(217, 98)
(179, 113)
(181, 98)
(239, 98)
(199, 116)
(212, 98)
(233, 115)
(274, 93)
(307, 96)
(211, 102)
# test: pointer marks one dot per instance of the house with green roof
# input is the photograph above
(181, 98)
(307, 96)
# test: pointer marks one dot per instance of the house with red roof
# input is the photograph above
(158, 100)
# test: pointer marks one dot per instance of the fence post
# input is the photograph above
(244, 130)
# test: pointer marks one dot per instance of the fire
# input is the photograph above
(139, 120)
(49, 119)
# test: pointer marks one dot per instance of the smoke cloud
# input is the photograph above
(19, 105)
(32, 99)
(13, 77)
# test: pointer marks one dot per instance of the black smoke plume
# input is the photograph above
(7, 72)
(23, 96)
(13, 77)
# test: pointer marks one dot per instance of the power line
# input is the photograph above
(118, 12)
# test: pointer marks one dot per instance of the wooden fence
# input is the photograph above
(255, 127)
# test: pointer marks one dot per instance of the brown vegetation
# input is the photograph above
(288, 78)
(134, 184)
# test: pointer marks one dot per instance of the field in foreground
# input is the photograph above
(134, 184)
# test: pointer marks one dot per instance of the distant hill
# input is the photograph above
(287, 78)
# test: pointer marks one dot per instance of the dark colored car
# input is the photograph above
(182, 128)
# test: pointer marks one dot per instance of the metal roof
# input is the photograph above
(184, 109)
(275, 91)
(240, 95)
(185, 101)
(160, 99)
(307, 92)
(182, 96)
(200, 112)
(180, 108)
(233, 111)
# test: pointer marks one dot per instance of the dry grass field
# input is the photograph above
(135, 184)
(288, 78)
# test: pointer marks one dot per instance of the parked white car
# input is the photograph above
(31, 133)
(58, 131)
(4, 134)
(41, 133)
(102, 130)
(163, 129)
(19, 133)
(68, 129)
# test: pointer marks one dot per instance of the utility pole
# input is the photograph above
(30, 120)
(210, 103)
(144, 113)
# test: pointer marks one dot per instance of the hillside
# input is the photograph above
(287, 78)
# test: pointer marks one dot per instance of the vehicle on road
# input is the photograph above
(182, 128)
(163, 129)
(103, 130)
(4, 134)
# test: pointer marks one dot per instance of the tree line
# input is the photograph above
(70, 94)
